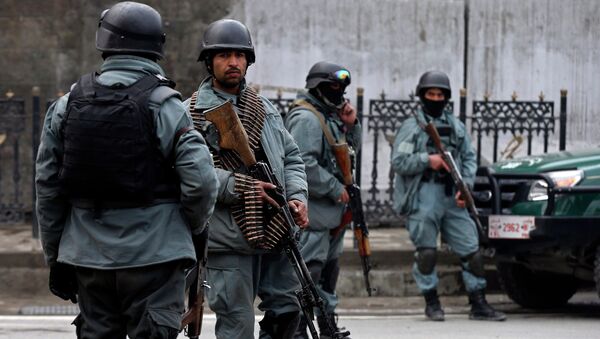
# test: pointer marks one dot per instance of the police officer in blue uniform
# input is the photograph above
(319, 110)
(125, 186)
(239, 269)
(424, 192)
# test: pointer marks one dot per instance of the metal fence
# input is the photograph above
(530, 119)
(522, 119)
(517, 118)
(17, 195)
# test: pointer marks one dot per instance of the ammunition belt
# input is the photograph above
(261, 230)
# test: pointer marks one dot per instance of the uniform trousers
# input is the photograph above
(236, 280)
(437, 213)
(321, 251)
(142, 303)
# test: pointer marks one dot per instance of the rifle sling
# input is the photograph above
(328, 135)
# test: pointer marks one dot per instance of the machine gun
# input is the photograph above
(232, 136)
(465, 193)
(359, 226)
(195, 280)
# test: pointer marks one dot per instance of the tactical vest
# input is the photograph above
(111, 155)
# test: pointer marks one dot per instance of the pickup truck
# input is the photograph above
(542, 216)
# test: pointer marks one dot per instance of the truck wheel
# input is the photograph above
(535, 289)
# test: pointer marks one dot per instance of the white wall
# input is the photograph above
(385, 44)
(513, 45)
(541, 45)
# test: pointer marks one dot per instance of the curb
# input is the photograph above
(26, 272)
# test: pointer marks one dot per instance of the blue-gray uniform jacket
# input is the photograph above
(410, 158)
(284, 158)
(325, 181)
(128, 237)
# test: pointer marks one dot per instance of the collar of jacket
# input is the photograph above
(124, 62)
(209, 97)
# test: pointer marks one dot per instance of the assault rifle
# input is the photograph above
(195, 280)
(465, 193)
(359, 226)
(232, 136)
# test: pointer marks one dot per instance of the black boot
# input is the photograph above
(325, 332)
(281, 327)
(301, 332)
(481, 310)
(433, 308)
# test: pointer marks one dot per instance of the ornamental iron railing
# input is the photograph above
(519, 119)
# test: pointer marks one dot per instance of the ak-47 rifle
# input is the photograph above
(232, 136)
(195, 281)
(457, 178)
(359, 226)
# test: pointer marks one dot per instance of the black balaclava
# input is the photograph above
(333, 98)
(433, 108)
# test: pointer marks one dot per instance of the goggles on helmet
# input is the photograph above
(342, 77)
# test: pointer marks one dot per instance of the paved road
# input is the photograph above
(523, 325)
(400, 318)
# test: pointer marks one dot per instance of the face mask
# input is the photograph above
(331, 97)
(434, 108)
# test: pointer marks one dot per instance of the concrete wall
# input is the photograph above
(523, 46)
(542, 45)
(512, 45)
(51, 43)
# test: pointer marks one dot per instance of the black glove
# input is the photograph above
(63, 282)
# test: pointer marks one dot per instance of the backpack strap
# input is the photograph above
(84, 87)
(86, 84)
(307, 105)
(143, 85)
(164, 91)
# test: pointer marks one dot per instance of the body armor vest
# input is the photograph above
(111, 154)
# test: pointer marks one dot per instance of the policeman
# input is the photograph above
(424, 192)
(239, 267)
(125, 186)
(320, 110)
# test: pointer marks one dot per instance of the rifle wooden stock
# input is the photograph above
(232, 135)
(192, 318)
(342, 156)
(364, 246)
(359, 226)
(195, 282)
(435, 137)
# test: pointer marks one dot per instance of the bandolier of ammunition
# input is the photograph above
(261, 230)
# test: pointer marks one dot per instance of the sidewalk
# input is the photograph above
(24, 276)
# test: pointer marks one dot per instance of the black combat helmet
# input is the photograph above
(130, 27)
(434, 79)
(226, 34)
(327, 72)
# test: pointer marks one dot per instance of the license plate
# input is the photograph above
(510, 226)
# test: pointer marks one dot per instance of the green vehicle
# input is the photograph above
(542, 215)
